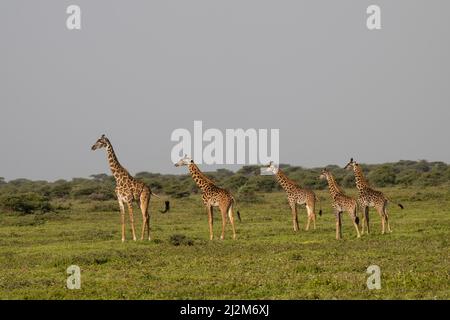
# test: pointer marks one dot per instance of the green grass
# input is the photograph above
(267, 261)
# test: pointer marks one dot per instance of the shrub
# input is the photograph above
(431, 178)
(26, 203)
(180, 239)
(407, 177)
(263, 183)
(235, 182)
(247, 193)
(382, 176)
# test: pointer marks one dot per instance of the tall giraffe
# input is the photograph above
(341, 202)
(212, 196)
(296, 195)
(127, 190)
(368, 197)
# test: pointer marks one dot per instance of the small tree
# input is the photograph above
(382, 176)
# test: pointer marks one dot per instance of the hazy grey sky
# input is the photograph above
(140, 69)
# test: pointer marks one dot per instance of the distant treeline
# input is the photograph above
(29, 196)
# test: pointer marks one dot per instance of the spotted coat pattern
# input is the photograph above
(369, 197)
(213, 196)
(128, 189)
(298, 196)
(341, 203)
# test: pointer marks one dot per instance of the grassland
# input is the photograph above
(267, 261)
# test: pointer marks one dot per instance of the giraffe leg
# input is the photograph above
(314, 221)
(148, 225)
(386, 215)
(366, 218)
(231, 217)
(353, 216)
(311, 217)
(130, 212)
(122, 218)
(144, 224)
(338, 226)
(308, 222)
(363, 221)
(294, 216)
(223, 212)
(144, 201)
(210, 222)
(381, 214)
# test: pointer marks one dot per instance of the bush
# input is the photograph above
(407, 177)
(382, 176)
(100, 187)
(61, 190)
(178, 191)
(247, 193)
(263, 183)
(431, 178)
(26, 203)
(180, 239)
(235, 182)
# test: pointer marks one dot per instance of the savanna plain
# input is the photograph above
(266, 261)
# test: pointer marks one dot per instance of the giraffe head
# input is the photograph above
(102, 142)
(185, 161)
(324, 174)
(350, 165)
(272, 168)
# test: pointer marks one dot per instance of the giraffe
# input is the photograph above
(368, 197)
(341, 202)
(296, 195)
(212, 196)
(127, 190)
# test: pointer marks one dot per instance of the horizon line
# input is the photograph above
(232, 170)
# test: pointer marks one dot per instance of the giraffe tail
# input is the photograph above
(357, 211)
(320, 204)
(237, 210)
(154, 194)
(167, 207)
(166, 203)
(397, 203)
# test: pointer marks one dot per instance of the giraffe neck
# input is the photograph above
(201, 180)
(332, 185)
(283, 180)
(116, 168)
(361, 182)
